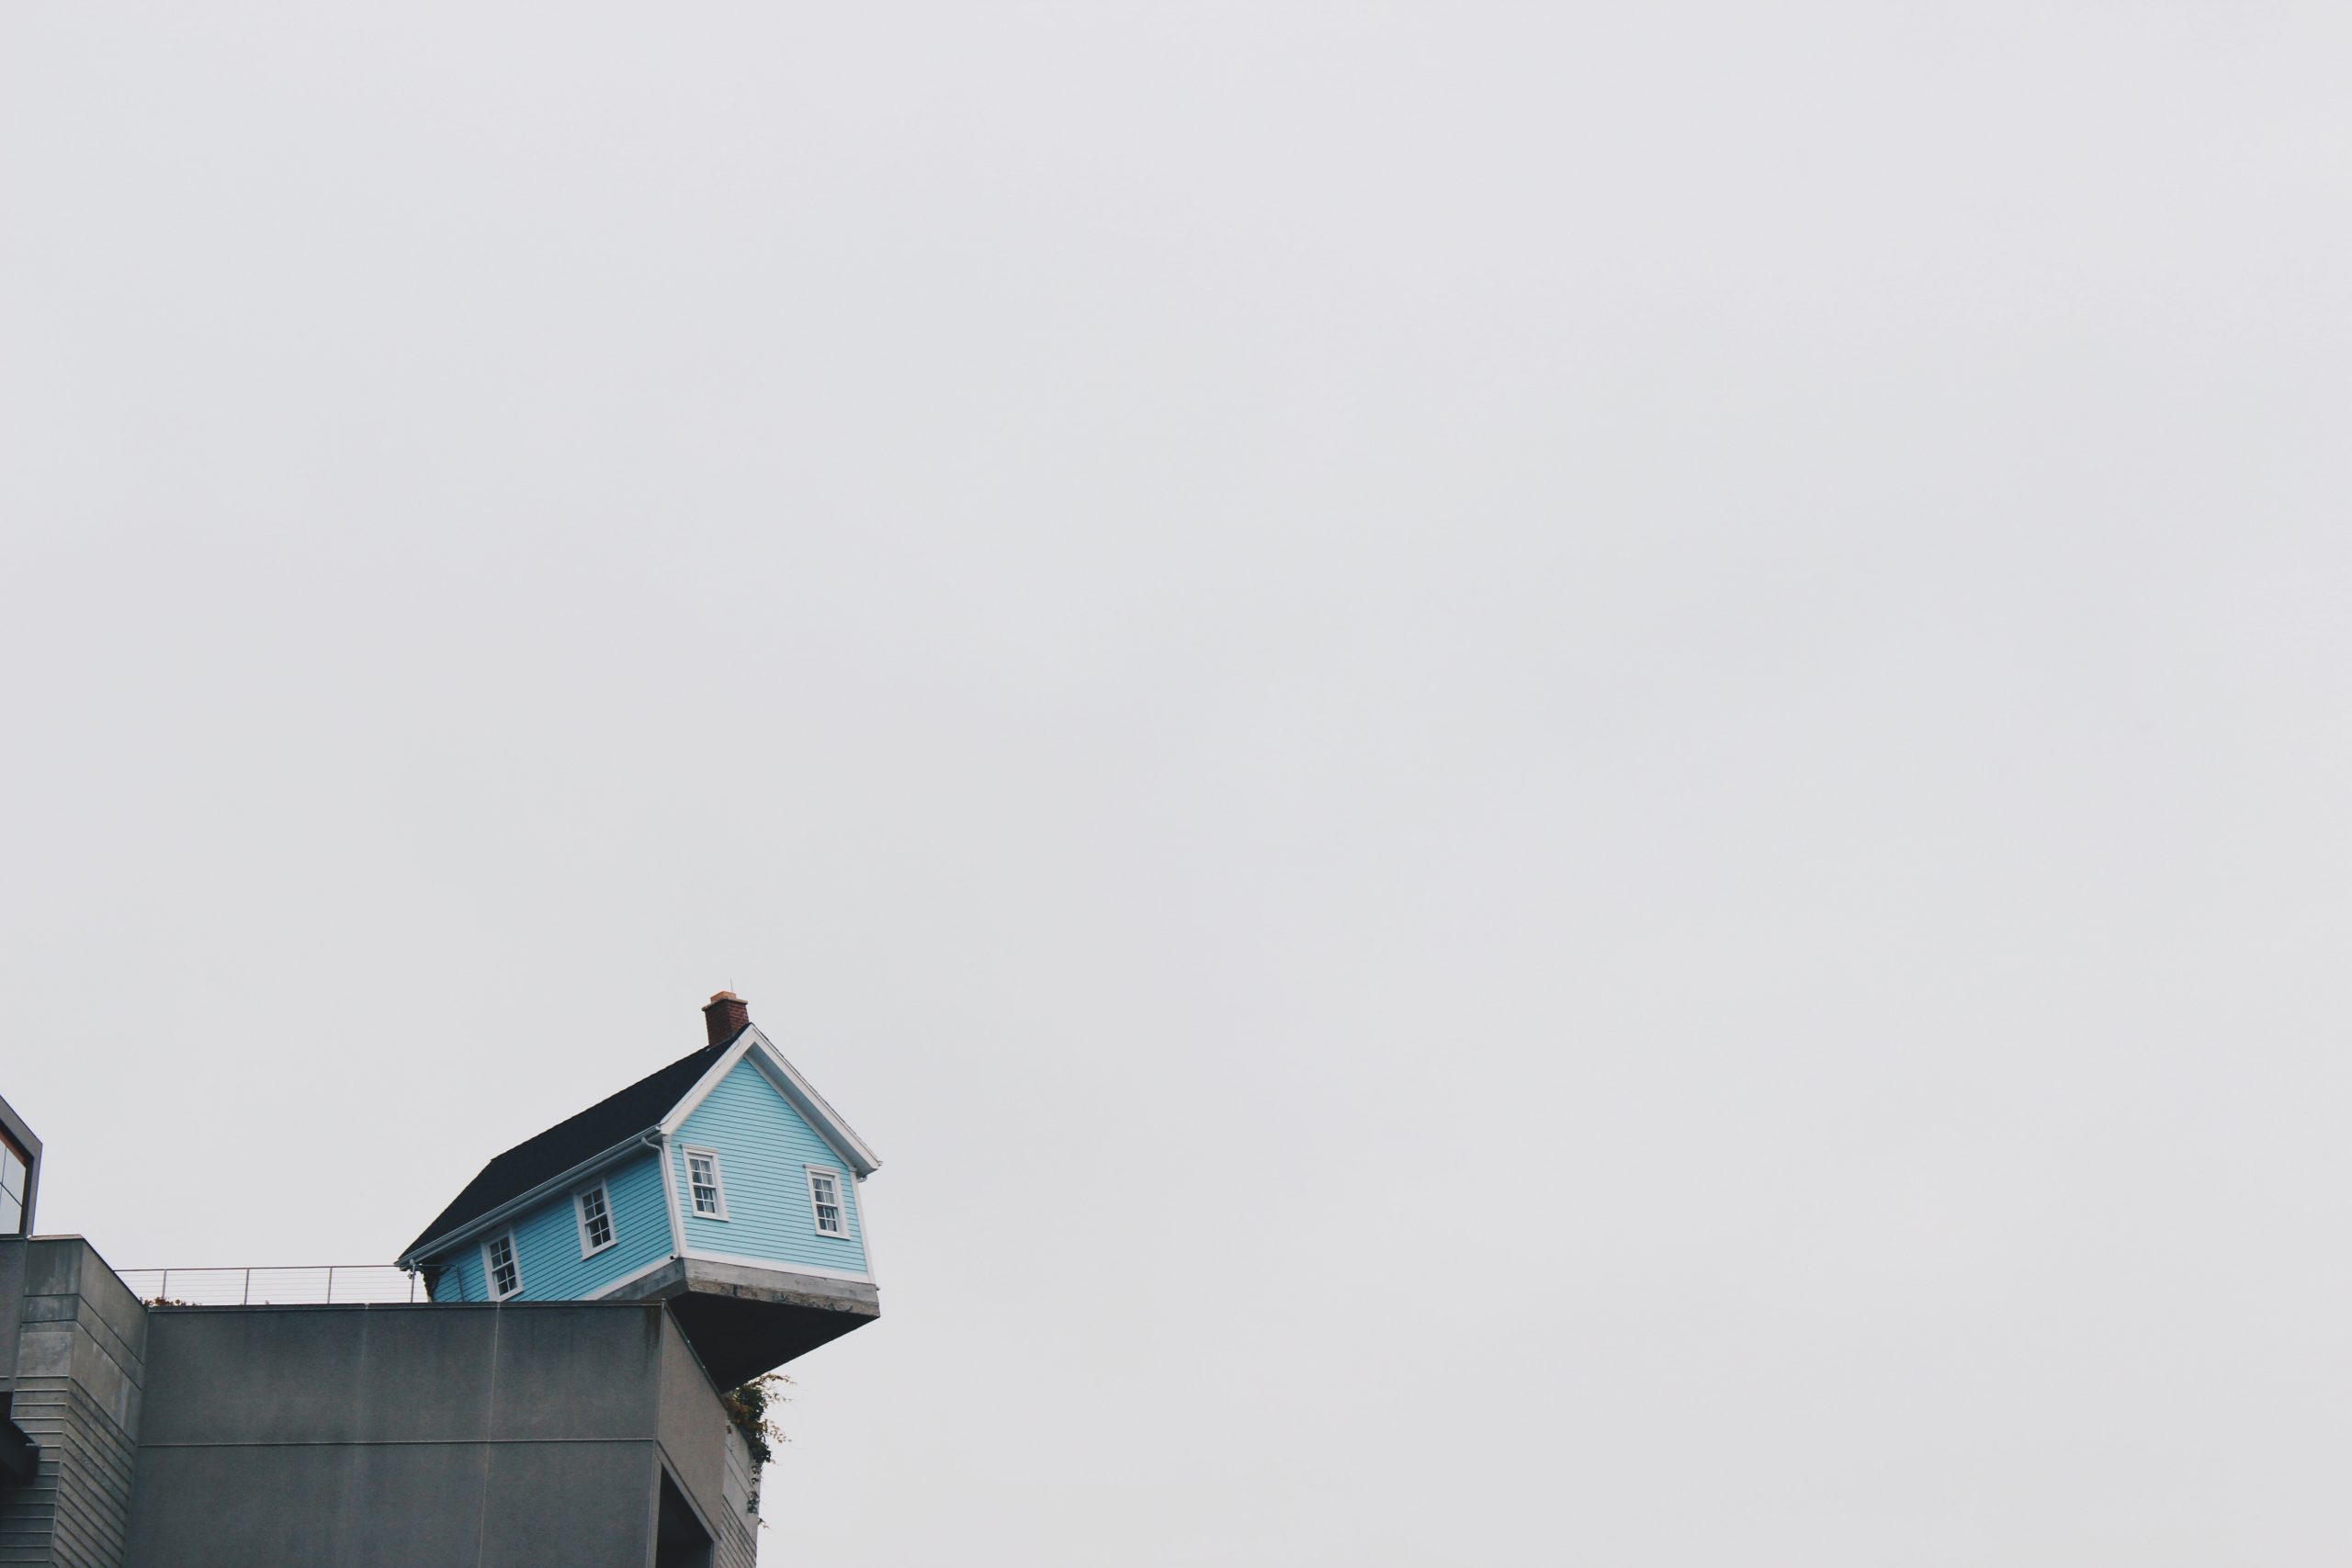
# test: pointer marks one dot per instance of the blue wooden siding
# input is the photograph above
(460, 1279)
(765, 1150)
(547, 1241)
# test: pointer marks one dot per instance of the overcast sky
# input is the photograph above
(1567, 783)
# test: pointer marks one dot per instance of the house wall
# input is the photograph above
(765, 1149)
(547, 1242)
(461, 1277)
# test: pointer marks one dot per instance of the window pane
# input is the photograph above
(12, 1215)
(595, 1219)
(503, 1279)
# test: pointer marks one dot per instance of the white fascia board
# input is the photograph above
(630, 1279)
(820, 1115)
(796, 1091)
(710, 1079)
(768, 1264)
(773, 1267)
(490, 1219)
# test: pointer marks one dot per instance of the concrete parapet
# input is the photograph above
(524, 1435)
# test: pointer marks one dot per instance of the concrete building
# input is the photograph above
(569, 1415)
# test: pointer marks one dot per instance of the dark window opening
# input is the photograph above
(683, 1542)
(19, 1455)
(16, 1175)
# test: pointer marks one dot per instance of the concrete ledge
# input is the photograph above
(743, 1320)
(781, 1286)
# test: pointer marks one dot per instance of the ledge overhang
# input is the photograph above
(743, 1321)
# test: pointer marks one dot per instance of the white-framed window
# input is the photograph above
(703, 1182)
(500, 1268)
(825, 1201)
(595, 1210)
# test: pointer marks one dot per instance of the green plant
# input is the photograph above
(752, 1408)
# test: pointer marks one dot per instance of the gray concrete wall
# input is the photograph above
(738, 1528)
(532, 1435)
(75, 1383)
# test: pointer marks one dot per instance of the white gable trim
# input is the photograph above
(796, 1091)
(713, 1075)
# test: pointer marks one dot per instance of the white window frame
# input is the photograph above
(580, 1214)
(490, 1269)
(717, 1183)
(840, 1200)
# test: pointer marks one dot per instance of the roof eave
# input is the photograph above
(489, 1218)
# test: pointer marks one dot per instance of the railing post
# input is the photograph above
(289, 1291)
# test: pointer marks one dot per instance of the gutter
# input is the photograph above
(489, 1218)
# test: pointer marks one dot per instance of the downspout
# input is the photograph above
(658, 1141)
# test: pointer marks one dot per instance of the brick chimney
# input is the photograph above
(726, 1015)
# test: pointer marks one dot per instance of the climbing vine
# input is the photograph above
(752, 1408)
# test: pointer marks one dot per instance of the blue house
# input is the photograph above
(723, 1184)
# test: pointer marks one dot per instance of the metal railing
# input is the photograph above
(318, 1284)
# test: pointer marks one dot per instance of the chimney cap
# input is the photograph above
(724, 1017)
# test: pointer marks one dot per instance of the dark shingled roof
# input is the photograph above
(637, 1109)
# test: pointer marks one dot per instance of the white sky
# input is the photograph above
(1567, 783)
